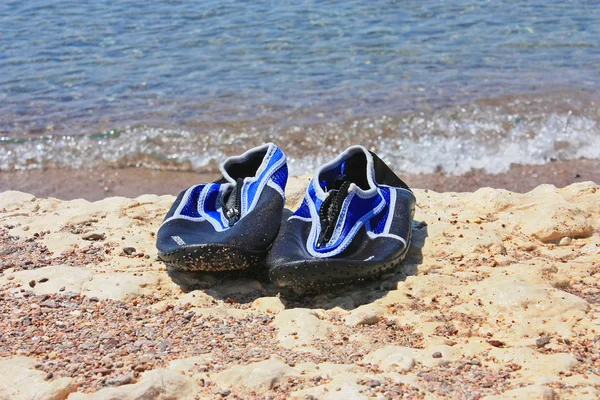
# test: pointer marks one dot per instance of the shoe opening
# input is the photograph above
(248, 167)
(353, 170)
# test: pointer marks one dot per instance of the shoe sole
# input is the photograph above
(318, 274)
(211, 258)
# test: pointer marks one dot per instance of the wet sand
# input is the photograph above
(97, 184)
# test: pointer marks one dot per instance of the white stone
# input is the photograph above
(533, 392)
(367, 314)
(391, 358)
(12, 199)
(300, 327)
(271, 305)
(159, 384)
(55, 277)
(120, 286)
(260, 376)
(19, 380)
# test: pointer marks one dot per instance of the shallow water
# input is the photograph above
(181, 84)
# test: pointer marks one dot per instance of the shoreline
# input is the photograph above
(96, 184)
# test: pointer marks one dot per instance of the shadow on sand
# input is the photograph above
(248, 285)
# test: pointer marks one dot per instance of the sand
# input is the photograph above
(499, 298)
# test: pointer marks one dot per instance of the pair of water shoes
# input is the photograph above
(354, 223)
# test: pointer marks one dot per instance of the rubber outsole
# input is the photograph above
(320, 274)
(211, 258)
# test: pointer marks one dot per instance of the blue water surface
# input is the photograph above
(81, 67)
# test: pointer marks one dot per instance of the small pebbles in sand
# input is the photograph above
(496, 343)
(437, 354)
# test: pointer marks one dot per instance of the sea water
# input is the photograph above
(430, 85)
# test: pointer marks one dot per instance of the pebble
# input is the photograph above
(140, 368)
(101, 371)
(49, 304)
(188, 314)
(120, 380)
(542, 341)
(93, 236)
(437, 354)
(487, 383)
(106, 336)
(129, 250)
(163, 346)
(565, 241)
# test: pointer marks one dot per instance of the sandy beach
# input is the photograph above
(498, 298)
(490, 111)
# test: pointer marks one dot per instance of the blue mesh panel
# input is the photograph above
(311, 192)
(191, 207)
(211, 203)
(378, 222)
(303, 211)
(358, 209)
(253, 187)
(280, 177)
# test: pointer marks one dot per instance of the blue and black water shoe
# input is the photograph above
(229, 224)
(355, 223)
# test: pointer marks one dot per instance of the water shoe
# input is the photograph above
(354, 223)
(231, 223)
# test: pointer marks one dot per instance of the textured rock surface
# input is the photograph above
(368, 314)
(533, 392)
(19, 380)
(499, 296)
(260, 376)
(159, 384)
(300, 327)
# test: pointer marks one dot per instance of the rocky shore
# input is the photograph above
(499, 298)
